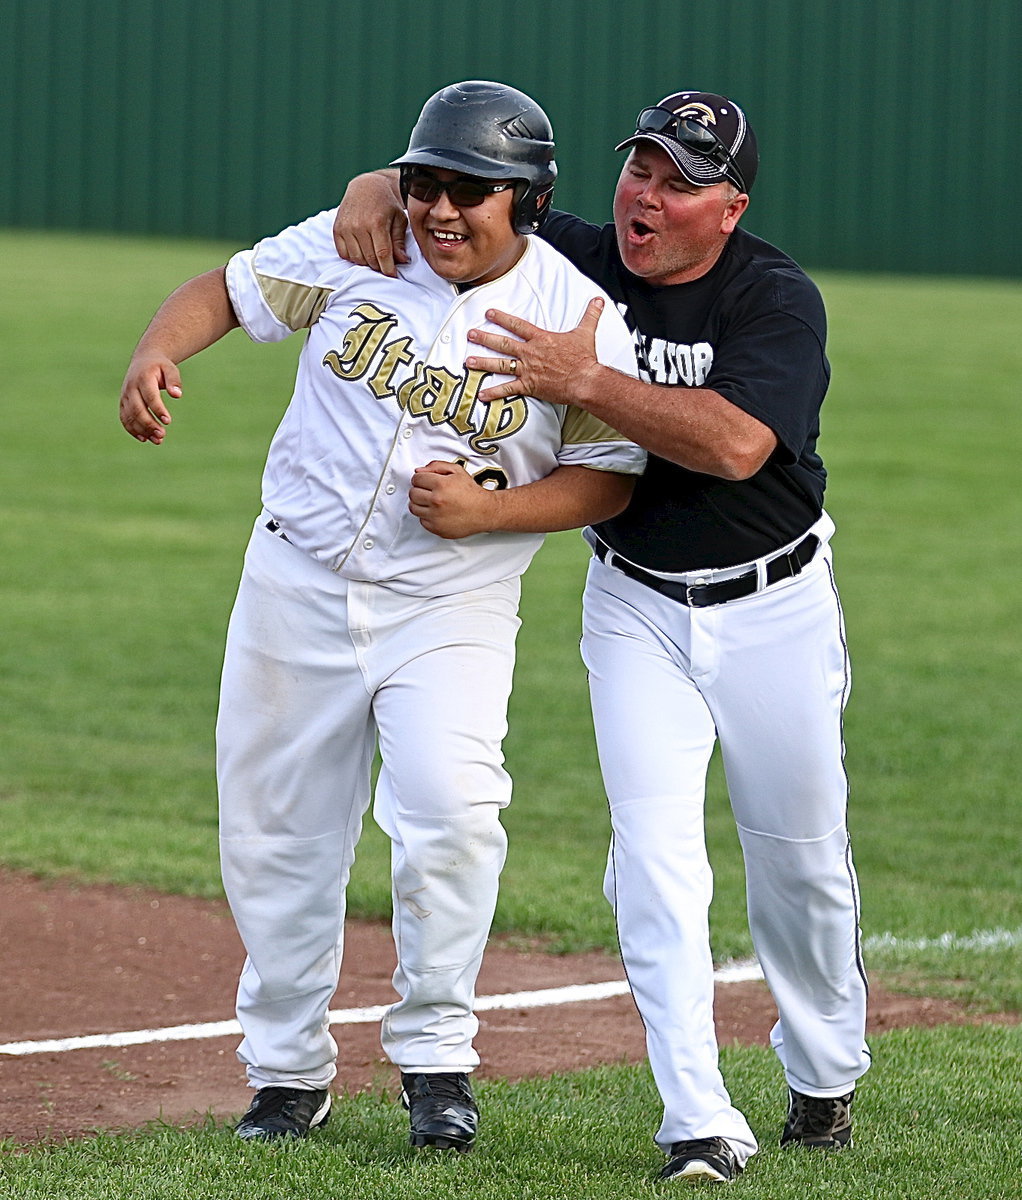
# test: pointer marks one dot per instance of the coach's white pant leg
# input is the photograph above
(442, 716)
(294, 747)
(778, 701)
(655, 737)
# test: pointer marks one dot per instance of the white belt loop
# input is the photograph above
(761, 574)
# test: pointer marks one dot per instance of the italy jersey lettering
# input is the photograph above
(435, 393)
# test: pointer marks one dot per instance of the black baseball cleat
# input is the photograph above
(442, 1111)
(819, 1122)
(702, 1160)
(277, 1113)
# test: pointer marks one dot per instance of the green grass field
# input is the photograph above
(119, 566)
(939, 1122)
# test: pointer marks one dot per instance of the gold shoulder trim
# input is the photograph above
(580, 428)
(296, 305)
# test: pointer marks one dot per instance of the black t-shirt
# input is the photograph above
(753, 329)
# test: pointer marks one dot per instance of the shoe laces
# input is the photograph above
(445, 1086)
(820, 1114)
(697, 1146)
(280, 1102)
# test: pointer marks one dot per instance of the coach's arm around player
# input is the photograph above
(699, 430)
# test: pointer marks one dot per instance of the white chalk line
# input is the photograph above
(984, 939)
(737, 972)
(573, 994)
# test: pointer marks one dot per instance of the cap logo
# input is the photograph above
(697, 112)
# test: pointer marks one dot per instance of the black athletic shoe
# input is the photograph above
(442, 1111)
(703, 1160)
(280, 1112)
(819, 1122)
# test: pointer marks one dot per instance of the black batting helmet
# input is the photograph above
(492, 131)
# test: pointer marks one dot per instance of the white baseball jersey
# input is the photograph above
(382, 389)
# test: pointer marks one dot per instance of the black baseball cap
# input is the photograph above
(705, 134)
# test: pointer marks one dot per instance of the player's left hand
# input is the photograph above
(449, 502)
(543, 364)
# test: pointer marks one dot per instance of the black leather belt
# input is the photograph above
(702, 595)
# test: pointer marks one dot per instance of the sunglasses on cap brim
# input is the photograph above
(694, 136)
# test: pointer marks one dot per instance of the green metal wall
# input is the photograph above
(888, 128)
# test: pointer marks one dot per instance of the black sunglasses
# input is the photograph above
(694, 136)
(463, 193)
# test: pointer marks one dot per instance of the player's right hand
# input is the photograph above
(449, 502)
(370, 225)
(143, 412)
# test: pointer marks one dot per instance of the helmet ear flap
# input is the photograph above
(531, 207)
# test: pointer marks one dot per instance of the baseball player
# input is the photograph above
(710, 612)
(378, 601)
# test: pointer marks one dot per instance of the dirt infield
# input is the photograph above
(99, 960)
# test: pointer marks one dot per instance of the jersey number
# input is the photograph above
(491, 478)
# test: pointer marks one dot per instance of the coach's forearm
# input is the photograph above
(694, 427)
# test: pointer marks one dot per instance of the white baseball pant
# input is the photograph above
(768, 675)
(316, 669)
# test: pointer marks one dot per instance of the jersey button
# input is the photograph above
(391, 489)
(368, 544)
